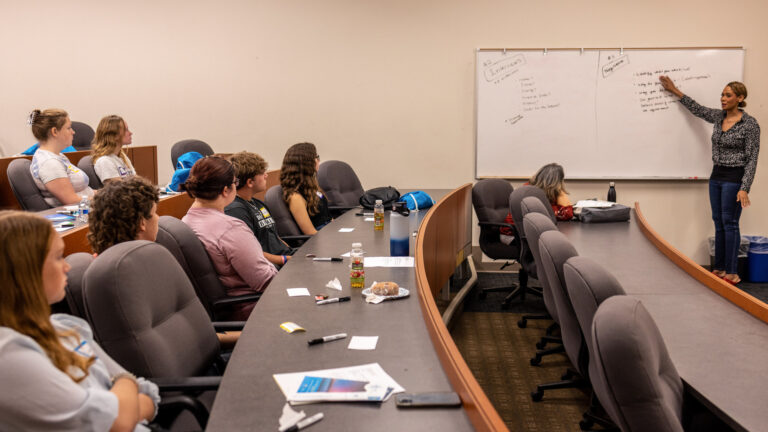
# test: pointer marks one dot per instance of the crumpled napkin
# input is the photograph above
(335, 284)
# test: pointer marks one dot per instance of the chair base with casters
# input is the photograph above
(520, 291)
(596, 415)
(536, 360)
(577, 382)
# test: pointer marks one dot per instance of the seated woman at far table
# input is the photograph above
(551, 179)
(301, 192)
(109, 160)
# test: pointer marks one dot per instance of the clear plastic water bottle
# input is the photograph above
(83, 208)
(399, 230)
(356, 267)
(378, 216)
(611, 192)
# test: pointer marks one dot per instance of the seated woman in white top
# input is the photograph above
(54, 376)
(59, 181)
(109, 160)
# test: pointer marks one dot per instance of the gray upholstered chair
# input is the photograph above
(490, 199)
(189, 145)
(555, 250)
(341, 186)
(286, 225)
(190, 253)
(79, 263)
(146, 316)
(83, 136)
(23, 186)
(86, 164)
(634, 378)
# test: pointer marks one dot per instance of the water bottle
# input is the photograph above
(378, 216)
(399, 230)
(82, 209)
(611, 192)
(356, 267)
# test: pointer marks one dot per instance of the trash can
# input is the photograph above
(743, 264)
(758, 259)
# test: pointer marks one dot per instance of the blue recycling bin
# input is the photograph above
(758, 258)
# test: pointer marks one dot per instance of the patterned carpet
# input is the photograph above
(498, 353)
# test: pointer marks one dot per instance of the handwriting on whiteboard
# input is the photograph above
(651, 96)
(496, 71)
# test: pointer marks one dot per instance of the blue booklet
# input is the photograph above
(317, 389)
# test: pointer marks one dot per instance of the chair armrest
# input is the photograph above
(228, 325)
(296, 240)
(186, 384)
(234, 300)
(495, 224)
(170, 407)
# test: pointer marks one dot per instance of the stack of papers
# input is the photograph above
(593, 204)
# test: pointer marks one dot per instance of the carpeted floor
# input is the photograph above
(498, 352)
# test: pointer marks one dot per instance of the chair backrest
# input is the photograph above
(340, 184)
(79, 263)
(286, 225)
(86, 164)
(490, 199)
(189, 145)
(83, 136)
(532, 204)
(145, 313)
(536, 224)
(642, 389)
(182, 242)
(515, 208)
(24, 187)
(555, 250)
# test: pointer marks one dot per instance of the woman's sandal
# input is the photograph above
(732, 282)
(719, 273)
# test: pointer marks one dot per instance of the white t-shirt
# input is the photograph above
(48, 166)
(112, 166)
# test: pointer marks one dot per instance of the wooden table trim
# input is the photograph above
(750, 304)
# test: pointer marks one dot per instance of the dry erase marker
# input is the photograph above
(364, 214)
(325, 339)
(67, 225)
(304, 423)
(333, 259)
(333, 300)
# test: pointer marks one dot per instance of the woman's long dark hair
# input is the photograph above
(298, 175)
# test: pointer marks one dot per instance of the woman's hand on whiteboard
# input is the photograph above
(669, 86)
(743, 198)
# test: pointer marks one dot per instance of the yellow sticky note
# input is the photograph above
(291, 327)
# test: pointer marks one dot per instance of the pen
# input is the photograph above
(333, 259)
(333, 300)
(67, 225)
(66, 212)
(363, 214)
(304, 423)
(327, 339)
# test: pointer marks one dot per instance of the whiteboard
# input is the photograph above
(601, 113)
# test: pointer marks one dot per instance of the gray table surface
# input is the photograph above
(718, 349)
(249, 398)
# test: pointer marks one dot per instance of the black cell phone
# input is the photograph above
(433, 399)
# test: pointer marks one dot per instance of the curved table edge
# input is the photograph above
(476, 404)
(750, 304)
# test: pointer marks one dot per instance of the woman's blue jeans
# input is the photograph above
(726, 212)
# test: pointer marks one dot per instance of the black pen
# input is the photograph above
(332, 259)
(363, 214)
(333, 300)
(67, 225)
(325, 339)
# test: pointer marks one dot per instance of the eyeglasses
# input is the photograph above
(236, 182)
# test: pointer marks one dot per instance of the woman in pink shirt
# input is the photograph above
(235, 252)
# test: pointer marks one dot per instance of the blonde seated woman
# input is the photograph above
(301, 192)
(109, 160)
(54, 375)
(59, 181)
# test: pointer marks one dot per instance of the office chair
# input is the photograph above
(490, 199)
(185, 246)
(555, 250)
(287, 228)
(86, 164)
(146, 316)
(634, 378)
(79, 263)
(83, 136)
(24, 187)
(189, 145)
(341, 186)
(588, 285)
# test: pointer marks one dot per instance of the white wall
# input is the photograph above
(387, 86)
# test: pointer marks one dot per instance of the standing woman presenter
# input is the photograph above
(735, 145)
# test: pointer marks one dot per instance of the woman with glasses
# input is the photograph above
(235, 252)
(301, 192)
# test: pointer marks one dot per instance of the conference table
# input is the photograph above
(719, 347)
(250, 399)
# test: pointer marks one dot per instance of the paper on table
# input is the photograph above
(295, 292)
(363, 342)
(388, 262)
(290, 417)
(346, 229)
(368, 219)
(372, 372)
(334, 284)
(593, 203)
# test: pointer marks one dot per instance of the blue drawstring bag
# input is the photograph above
(183, 166)
(417, 200)
(31, 151)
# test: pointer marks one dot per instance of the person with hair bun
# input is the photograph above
(301, 192)
(234, 250)
(54, 375)
(60, 182)
(109, 159)
(735, 146)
